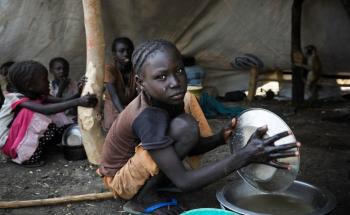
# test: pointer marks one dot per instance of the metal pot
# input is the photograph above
(72, 144)
(313, 200)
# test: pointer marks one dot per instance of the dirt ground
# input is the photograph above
(323, 129)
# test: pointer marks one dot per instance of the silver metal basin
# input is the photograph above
(300, 198)
(72, 136)
(72, 143)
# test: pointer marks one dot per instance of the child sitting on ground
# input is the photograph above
(119, 81)
(3, 76)
(2, 98)
(4, 87)
(28, 119)
(150, 138)
(62, 86)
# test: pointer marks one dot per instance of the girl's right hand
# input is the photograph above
(89, 100)
(81, 83)
(262, 150)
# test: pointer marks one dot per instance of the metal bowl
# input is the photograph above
(260, 176)
(300, 198)
(72, 143)
(72, 136)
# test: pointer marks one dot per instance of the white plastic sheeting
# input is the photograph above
(214, 31)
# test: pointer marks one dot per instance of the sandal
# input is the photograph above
(171, 189)
(149, 210)
(33, 165)
(156, 206)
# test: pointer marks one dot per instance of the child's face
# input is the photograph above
(59, 71)
(40, 83)
(164, 77)
(123, 53)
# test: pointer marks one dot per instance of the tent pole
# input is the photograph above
(89, 118)
(252, 83)
(297, 56)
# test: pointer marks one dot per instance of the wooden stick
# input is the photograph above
(89, 118)
(55, 201)
(252, 83)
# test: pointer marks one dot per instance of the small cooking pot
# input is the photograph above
(72, 144)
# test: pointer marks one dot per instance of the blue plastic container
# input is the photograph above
(209, 211)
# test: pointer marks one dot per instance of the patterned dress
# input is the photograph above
(23, 133)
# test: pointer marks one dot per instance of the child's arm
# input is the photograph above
(114, 96)
(47, 109)
(53, 99)
(258, 150)
(80, 86)
(207, 144)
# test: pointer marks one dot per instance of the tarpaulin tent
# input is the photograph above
(214, 31)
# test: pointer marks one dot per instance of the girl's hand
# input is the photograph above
(262, 150)
(228, 129)
(81, 83)
(89, 100)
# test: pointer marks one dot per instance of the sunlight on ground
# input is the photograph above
(345, 83)
(272, 85)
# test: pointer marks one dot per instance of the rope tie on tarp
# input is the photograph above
(246, 62)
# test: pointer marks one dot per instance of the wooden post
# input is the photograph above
(252, 83)
(89, 118)
(297, 55)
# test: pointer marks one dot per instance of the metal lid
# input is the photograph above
(264, 177)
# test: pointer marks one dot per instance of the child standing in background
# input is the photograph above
(120, 87)
(28, 119)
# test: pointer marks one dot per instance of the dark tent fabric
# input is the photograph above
(214, 31)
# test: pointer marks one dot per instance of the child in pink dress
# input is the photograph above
(3, 80)
(28, 118)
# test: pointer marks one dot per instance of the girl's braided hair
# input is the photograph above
(21, 75)
(147, 49)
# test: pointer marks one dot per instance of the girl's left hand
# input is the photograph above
(228, 129)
